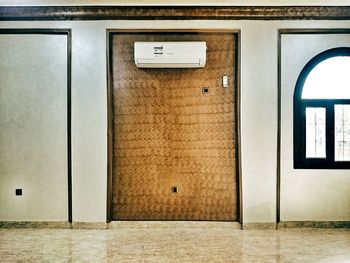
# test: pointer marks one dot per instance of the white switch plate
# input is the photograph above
(225, 81)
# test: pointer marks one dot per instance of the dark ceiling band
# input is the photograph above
(16, 13)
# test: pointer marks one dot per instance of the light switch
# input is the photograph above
(225, 81)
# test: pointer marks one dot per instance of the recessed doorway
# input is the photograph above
(173, 133)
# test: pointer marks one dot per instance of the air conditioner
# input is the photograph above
(190, 54)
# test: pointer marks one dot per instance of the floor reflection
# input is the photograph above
(175, 245)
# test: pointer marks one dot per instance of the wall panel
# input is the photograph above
(167, 132)
(33, 127)
(307, 195)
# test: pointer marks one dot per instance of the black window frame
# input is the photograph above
(299, 118)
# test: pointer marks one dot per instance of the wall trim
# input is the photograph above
(314, 224)
(89, 225)
(238, 166)
(260, 226)
(173, 225)
(291, 31)
(68, 33)
(14, 13)
(35, 224)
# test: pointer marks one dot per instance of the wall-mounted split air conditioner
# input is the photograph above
(190, 54)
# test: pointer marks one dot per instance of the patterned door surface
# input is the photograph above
(174, 133)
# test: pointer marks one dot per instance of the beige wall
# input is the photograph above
(259, 109)
(33, 125)
(307, 194)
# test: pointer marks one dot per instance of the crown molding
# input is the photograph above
(20, 13)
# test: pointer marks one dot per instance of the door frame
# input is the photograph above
(280, 32)
(237, 101)
(68, 33)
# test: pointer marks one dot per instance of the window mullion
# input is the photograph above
(330, 133)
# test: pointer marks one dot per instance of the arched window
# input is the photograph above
(322, 112)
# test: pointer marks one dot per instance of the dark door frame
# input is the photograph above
(237, 128)
(68, 33)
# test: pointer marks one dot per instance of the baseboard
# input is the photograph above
(259, 226)
(35, 224)
(173, 225)
(53, 224)
(89, 225)
(314, 224)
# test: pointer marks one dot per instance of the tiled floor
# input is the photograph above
(175, 245)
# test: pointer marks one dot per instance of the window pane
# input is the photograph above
(342, 132)
(330, 79)
(315, 133)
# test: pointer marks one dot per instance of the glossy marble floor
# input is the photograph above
(175, 245)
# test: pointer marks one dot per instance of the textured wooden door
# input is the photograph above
(173, 145)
